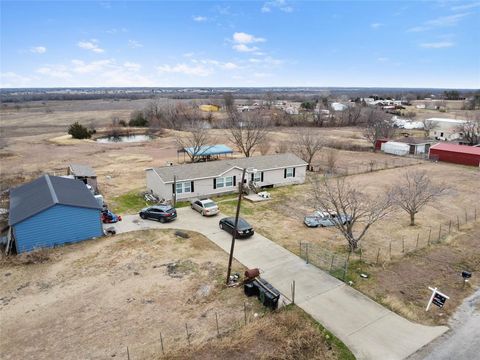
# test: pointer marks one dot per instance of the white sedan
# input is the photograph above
(206, 207)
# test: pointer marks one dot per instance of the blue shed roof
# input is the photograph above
(36, 196)
(208, 150)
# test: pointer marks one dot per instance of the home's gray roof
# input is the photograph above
(46, 191)
(216, 168)
(82, 170)
(414, 141)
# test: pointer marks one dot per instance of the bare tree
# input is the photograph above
(282, 147)
(307, 145)
(350, 116)
(428, 126)
(229, 103)
(197, 139)
(247, 132)
(378, 126)
(264, 147)
(471, 130)
(353, 213)
(415, 192)
(332, 157)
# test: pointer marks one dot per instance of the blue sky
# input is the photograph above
(240, 43)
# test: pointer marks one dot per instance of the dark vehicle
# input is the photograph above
(162, 213)
(110, 218)
(324, 219)
(244, 229)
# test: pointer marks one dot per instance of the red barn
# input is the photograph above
(458, 154)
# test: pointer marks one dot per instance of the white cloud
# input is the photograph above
(465, 6)
(11, 80)
(91, 45)
(244, 38)
(276, 4)
(437, 45)
(199, 18)
(82, 67)
(229, 66)
(55, 71)
(244, 48)
(442, 21)
(268, 60)
(376, 25)
(196, 70)
(38, 49)
(132, 66)
(134, 44)
(115, 31)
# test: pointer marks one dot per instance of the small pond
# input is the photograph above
(124, 139)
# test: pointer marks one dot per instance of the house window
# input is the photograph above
(226, 181)
(288, 172)
(183, 187)
(257, 177)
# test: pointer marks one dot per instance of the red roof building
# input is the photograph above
(457, 154)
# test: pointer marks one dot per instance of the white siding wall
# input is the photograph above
(204, 187)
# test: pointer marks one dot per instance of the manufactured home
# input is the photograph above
(223, 176)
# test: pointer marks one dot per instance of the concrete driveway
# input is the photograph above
(367, 328)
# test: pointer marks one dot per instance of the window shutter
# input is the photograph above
(261, 178)
(173, 189)
(293, 172)
(214, 183)
(234, 180)
(191, 187)
(285, 173)
(252, 177)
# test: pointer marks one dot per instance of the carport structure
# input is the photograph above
(205, 152)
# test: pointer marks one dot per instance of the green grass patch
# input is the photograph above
(130, 202)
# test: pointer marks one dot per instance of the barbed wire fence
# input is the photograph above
(337, 264)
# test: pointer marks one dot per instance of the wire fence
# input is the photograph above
(337, 264)
(334, 263)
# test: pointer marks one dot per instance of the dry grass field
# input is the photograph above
(93, 299)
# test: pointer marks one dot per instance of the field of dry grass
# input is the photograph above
(93, 299)
(403, 284)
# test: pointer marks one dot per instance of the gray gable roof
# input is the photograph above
(217, 168)
(46, 191)
(82, 170)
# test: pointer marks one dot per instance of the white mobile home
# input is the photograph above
(446, 129)
(224, 176)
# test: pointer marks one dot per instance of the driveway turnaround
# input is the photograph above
(367, 328)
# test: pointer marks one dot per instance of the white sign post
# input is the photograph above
(437, 298)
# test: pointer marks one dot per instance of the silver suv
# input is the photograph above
(206, 207)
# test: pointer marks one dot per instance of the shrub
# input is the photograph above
(138, 120)
(78, 131)
(122, 123)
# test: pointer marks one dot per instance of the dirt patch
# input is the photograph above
(95, 298)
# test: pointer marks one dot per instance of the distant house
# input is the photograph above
(406, 146)
(224, 176)
(457, 154)
(52, 211)
(336, 106)
(84, 173)
(210, 107)
(446, 129)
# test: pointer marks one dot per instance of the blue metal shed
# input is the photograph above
(52, 211)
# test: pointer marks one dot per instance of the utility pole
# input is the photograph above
(232, 247)
(174, 190)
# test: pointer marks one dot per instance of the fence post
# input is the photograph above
(128, 354)
(418, 236)
(308, 245)
(345, 269)
(293, 292)
(466, 218)
(378, 254)
(300, 243)
(331, 263)
(361, 253)
(390, 250)
(458, 223)
(188, 335)
(450, 226)
(429, 234)
(216, 320)
(161, 343)
(403, 245)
